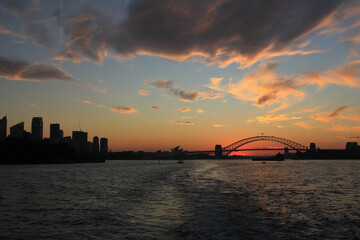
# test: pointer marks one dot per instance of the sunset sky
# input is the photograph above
(152, 75)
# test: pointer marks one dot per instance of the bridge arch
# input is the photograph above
(290, 144)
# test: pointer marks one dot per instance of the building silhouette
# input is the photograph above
(37, 129)
(17, 131)
(95, 145)
(103, 146)
(80, 139)
(55, 132)
(3, 128)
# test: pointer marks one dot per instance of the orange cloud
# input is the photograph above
(200, 111)
(182, 122)
(218, 125)
(125, 110)
(308, 110)
(342, 112)
(272, 118)
(143, 92)
(327, 117)
(184, 109)
(263, 87)
(345, 75)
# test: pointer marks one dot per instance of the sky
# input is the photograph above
(151, 75)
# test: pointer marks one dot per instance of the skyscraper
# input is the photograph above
(37, 129)
(95, 144)
(17, 131)
(103, 146)
(81, 138)
(55, 131)
(3, 128)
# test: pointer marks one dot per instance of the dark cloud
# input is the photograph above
(185, 95)
(18, 70)
(182, 122)
(39, 34)
(154, 107)
(337, 111)
(182, 94)
(43, 71)
(20, 7)
(268, 97)
(87, 33)
(221, 30)
(162, 84)
(11, 68)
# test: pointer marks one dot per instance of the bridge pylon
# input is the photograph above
(218, 152)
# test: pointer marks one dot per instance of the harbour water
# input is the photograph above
(203, 199)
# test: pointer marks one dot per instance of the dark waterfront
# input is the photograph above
(204, 199)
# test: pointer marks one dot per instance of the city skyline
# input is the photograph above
(152, 75)
(78, 140)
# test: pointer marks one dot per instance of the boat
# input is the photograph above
(277, 157)
(180, 161)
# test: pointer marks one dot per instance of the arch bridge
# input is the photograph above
(237, 146)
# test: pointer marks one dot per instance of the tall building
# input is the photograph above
(37, 129)
(95, 144)
(3, 128)
(103, 146)
(17, 131)
(55, 132)
(81, 138)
